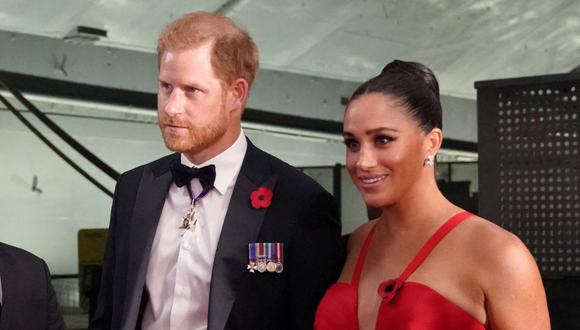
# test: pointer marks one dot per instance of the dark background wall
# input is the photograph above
(529, 177)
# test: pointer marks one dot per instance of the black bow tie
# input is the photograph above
(182, 174)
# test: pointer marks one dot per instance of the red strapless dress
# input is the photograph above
(405, 304)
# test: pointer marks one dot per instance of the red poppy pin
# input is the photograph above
(261, 198)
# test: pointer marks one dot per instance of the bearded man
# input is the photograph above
(220, 234)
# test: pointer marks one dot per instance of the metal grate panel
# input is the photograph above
(529, 169)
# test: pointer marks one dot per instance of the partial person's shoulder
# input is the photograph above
(18, 255)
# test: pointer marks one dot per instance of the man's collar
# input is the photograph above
(227, 164)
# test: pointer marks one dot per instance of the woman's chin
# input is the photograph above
(375, 201)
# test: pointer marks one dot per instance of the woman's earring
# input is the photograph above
(429, 160)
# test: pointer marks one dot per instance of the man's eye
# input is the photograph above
(165, 86)
(191, 89)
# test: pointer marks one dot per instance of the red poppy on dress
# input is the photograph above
(261, 198)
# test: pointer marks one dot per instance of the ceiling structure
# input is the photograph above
(461, 40)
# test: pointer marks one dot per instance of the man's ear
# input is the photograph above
(237, 95)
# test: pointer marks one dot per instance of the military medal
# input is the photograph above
(265, 257)
(271, 267)
(189, 220)
(270, 264)
(279, 257)
(261, 264)
(251, 257)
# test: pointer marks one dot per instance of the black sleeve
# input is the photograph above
(103, 314)
(317, 257)
(54, 317)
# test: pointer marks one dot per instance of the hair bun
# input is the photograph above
(412, 69)
(414, 85)
(392, 66)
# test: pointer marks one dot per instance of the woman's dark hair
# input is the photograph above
(414, 85)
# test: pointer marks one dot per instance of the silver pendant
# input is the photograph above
(189, 220)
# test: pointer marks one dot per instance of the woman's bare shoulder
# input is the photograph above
(496, 250)
(509, 277)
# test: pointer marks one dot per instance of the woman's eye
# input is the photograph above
(383, 139)
(351, 144)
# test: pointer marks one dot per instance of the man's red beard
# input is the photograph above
(192, 139)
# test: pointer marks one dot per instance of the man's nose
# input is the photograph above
(174, 102)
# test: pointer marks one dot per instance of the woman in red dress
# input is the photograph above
(424, 263)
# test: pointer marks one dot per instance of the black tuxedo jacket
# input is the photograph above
(302, 215)
(28, 298)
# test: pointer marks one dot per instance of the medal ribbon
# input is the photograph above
(261, 257)
(261, 250)
(252, 252)
(269, 251)
(187, 220)
(279, 252)
(200, 196)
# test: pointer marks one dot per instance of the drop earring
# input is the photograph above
(429, 160)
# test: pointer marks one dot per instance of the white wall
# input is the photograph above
(273, 91)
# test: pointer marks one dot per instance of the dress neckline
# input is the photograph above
(425, 250)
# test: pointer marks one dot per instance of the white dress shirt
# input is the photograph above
(179, 272)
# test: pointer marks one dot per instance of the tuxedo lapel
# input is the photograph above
(241, 226)
(149, 203)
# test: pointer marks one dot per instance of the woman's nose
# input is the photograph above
(367, 159)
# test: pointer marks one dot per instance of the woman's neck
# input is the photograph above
(418, 210)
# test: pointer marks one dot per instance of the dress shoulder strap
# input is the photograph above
(432, 242)
(361, 258)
